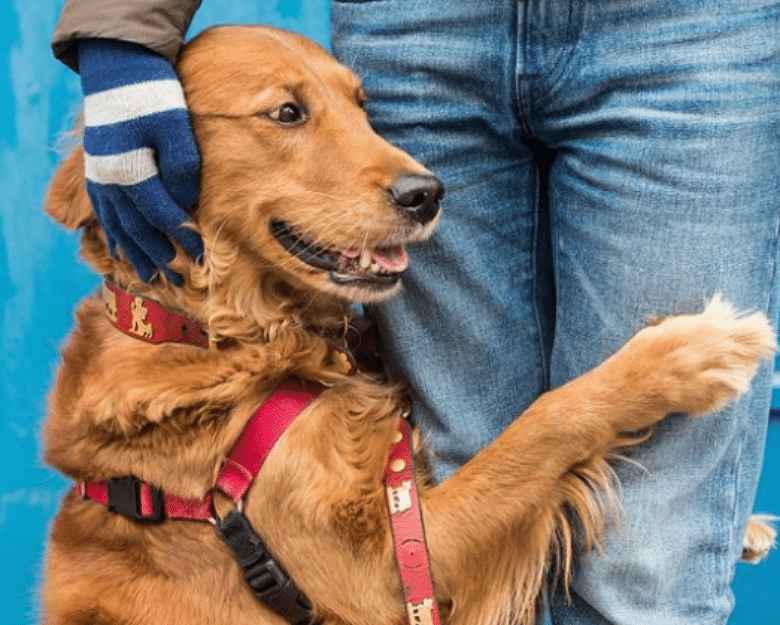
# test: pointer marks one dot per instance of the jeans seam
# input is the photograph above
(543, 359)
(523, 108)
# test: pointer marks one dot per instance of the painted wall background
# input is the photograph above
(41, 281)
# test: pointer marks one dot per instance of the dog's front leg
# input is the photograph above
(495, 525)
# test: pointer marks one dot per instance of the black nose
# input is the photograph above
(417, 196)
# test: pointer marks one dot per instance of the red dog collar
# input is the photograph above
(146, 320)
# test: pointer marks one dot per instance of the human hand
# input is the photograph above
(141, 162)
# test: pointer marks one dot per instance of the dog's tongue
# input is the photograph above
(391, 258)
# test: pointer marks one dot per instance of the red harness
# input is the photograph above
(142, 501)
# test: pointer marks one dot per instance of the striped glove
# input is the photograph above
(142, 164)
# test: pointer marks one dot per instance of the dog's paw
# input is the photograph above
(696, 364)
(759, 538)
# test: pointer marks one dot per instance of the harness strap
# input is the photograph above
(259, 436)
(141, 501)
(411, 553)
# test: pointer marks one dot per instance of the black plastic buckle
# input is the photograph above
(124, 497)
(268, 580)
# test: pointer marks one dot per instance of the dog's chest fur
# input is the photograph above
(169, 414)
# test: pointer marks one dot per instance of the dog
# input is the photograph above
(304, 209)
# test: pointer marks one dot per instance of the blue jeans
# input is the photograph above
(605, 161)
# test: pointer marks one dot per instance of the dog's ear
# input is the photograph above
(66, 200)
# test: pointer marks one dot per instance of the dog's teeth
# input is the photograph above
(365, 259)
(375, 268)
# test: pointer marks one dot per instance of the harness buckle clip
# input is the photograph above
(272, 585)
(136, 500)
(265, 576)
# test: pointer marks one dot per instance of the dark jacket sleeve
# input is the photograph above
(157, 24)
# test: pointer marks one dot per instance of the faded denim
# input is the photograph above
(605, 161)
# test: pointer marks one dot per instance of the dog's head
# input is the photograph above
(300, 198)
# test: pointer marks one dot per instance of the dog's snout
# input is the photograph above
(417, 196)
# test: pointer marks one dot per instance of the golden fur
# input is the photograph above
(169, 413)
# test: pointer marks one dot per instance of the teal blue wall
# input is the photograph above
(41, 280)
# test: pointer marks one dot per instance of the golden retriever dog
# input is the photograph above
(304, 209)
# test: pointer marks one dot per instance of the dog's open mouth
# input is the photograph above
(376, 268)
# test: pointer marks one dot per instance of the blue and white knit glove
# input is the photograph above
(142, 164)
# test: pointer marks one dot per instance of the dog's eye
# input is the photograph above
(288, 114)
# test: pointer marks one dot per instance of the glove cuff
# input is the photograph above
(108, 63)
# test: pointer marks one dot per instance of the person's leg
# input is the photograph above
(644, 106)
(665, 191)
(470, 330)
